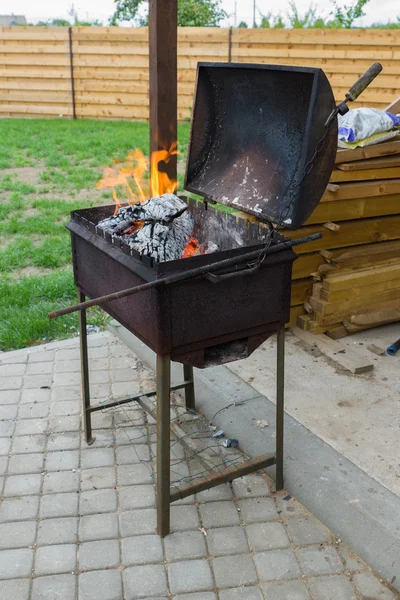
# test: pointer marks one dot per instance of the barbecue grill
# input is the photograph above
(263, 140)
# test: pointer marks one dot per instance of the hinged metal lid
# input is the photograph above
(254, 130)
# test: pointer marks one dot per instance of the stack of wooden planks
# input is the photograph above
(357, 281)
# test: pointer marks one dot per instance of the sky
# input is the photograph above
(376, 10)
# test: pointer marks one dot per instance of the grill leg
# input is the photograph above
(163, 376)
(280, 384)
(189, 388)
(87, 417)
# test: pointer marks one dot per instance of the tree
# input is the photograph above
(344, 17)
(191, 13)
(243, 25)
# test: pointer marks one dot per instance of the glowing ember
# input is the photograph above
(191, 247)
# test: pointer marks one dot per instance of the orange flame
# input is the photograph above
(191, 248)
(131, 176)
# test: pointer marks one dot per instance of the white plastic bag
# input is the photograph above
(365, 126)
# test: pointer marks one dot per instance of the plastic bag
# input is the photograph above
(366, 126)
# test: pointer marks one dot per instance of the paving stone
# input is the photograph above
(70, 392)
(16, 563)
(5, 444)
(68, 366)
(98, 501)
(98, 527)
(250, 486)
(26, 444)
(104, 438)
(136, 496)
(335, 587)
(63, 379)
(44, 356)
(97, 457)
(129, 416)
(99, 555)
(290, 508)
(35, 395)
(184, 517)
(137, 522)
(352, 561)
(142, 549)
(99, 377)
(10, 383)
(190, 576)
(109, 582)
(227, 540)
(59, 505)
(55, 559)
(8, 411)
(62, 460)
(145, 581)
(15, 589)
(3, 465)
(124, 388)
(184, 545)
(54, 587)
(60, 424)
(307, 531)
(38, 381)
(39, 368)
(12, 369)
(100, 392)
(234, 570)
(277, 564)
(99, 364)
(19, 509)
(9, 396)
(371, 588)
(320, 561)
(135, 474)
(220, 492)
(67, 354)
(23, 485)
(60, 481)
(65, 408)
(57, 531)
(258, 510)
(241, 593)
(289, 590)
(267, 536)
(39, 410)
(102, 420)
(195, 596)
(70, 440)
(219, 514)
(128, 454)
(17, 535)
(99, 352)
(98, 478)
(30, 426)
(131, 435)
(6, 428)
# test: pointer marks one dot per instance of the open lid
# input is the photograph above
(254, 129)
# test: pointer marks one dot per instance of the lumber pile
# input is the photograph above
(356, 284)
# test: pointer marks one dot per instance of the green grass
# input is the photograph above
(67, 158)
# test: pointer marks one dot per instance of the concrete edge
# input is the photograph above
(360, 511)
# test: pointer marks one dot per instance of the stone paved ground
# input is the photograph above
(79, 522)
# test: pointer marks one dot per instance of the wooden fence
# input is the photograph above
(102, 72)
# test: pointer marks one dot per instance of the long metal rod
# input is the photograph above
(204, 270)
(280, 409)
(163, 380)
(87, 419)
(71, 69)
(189, 388)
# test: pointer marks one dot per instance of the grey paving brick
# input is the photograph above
(6, 428)
(219, 514)
(98, 351)
(9, 396)
(16, 563)
(99, 555)
(98, 527)
(290, 507)
(124, 388)
(55, 559)
(258, 510)
(99, 364)
(43, 356)
(17, 589)
(68, 366)
(5, 445)
(334, 587)
(18, 534)
(38, 410)
(184, 517)
(102, 420)
(185, 545)
(62, 460)
(63, 379)
(8, 411)
(97, 457)
(100, 392)
(137, 522)
(60, 481)
(371, 588)
(99, 377)
(19, 509)
(307, 531)
(131, 435)
(70, 392)
(12, 369)
(277, 564)
(289, 590)
(196, 596)
(98, 478)
(322, 560)
(104, 437)
(67, 354)
(3, 465)
(267, 536)
(109, 582)
(29, 396)
(39, 368)
(136, 496)
(141, 550)
(70, 440)
(57, 531)
(26, 444)
(129, 416)
(124, 374)
(190, 576)
(23, 485)
(145, 581)
(232, 571)
(38, 381)
(250, 486)
(59, 505)
(54, 587)
(128, 454)
(135, 474)
(65, 408)
(122, 362)
(220, 492)
(30, 426)
(352, 561)
(227, 540)
(98, 501)
(241, 593)
(10, 383)
(60, 424)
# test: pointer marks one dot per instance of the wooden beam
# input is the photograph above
(384, 149)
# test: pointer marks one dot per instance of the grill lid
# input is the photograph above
(254, 129)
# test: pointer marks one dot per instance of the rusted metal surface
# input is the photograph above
(163, 382)
(280, 387)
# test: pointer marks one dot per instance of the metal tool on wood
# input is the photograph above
(393, 348)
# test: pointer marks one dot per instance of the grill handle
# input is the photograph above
(363, 82)
(238, 273)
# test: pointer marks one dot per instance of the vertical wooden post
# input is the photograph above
(163, 44)
(71, 69)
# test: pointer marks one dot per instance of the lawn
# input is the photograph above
(47, 169)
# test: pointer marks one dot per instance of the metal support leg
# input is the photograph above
(280, 386)
(189, 388)
(87, 417)
(163, 376)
